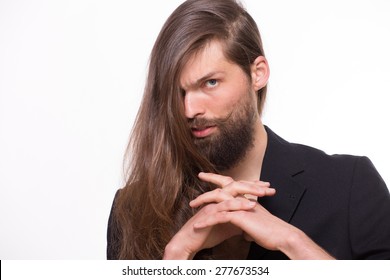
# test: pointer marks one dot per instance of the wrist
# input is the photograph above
(174, 251)
(297, 245)
(291, 242)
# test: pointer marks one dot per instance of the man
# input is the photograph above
(199, 147)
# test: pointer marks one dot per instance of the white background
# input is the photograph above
(72, 76)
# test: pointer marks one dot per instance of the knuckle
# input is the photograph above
(229, 203)
(228, 180)
(218, 191)
(234, 204)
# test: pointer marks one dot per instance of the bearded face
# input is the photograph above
(233, 138)
(219, 100)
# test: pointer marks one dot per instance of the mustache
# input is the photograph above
(204, 122)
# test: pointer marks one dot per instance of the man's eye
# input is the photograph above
(211, 83)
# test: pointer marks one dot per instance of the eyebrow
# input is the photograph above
(203, 79)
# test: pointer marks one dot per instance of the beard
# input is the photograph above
(226, 147)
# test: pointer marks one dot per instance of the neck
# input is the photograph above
(249, 168)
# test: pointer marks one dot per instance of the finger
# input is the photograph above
(257, 188)
(212, 220)
(225, 181)
(216, 196)
(234, 189)
(219, 195)
(222, 181)
(216, 179)
(235, 204)
(261, 183)
(218, 213)
(219, 218)
(267, 192)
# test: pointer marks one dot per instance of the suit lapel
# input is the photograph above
(282, 168)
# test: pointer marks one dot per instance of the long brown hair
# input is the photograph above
(163, 161)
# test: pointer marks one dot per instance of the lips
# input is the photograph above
(201, 132)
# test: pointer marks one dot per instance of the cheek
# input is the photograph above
(228, 96)
(228, 106)
(236, 93)
(226, 101)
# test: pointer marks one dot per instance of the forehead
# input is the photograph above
(203, 63)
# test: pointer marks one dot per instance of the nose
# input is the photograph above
(193, 104)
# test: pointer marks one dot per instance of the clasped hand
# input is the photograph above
(226, 212)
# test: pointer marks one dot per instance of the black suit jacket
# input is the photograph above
(339, 201)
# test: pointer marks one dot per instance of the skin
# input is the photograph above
(213, 86)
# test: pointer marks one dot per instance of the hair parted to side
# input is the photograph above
(164, 163)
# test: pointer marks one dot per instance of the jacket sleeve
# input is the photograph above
(113, 236)
(369, 212)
